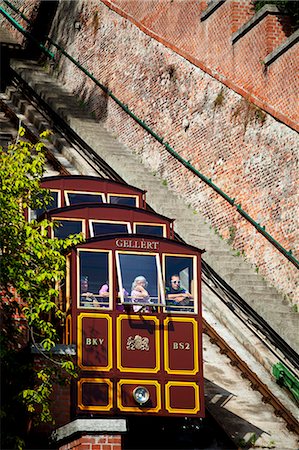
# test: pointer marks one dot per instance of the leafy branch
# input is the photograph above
(32, 270)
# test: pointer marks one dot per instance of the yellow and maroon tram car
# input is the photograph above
(132, 299)
(135, 354)
(97, 220)
(77, 189)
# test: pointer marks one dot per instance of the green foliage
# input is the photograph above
(32, 270)
(291, 8)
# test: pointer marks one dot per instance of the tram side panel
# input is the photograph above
(126, 355)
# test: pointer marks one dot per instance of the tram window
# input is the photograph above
(122, 200)
(180, 284)
(153, 230)
(35, 213)
(73, 198)
(99, 228)
(67, 227)
(94, 280)
(140, 280)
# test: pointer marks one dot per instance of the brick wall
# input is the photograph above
(91, 442)
(184, 78)
(247, 153)
(208, 45)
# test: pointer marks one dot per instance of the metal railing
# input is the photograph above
(184, 162)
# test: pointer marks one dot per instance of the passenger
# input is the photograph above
(104, 294)
(176, 295)
(87, 298)
(139, 294)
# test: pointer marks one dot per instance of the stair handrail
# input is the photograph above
(232, 201)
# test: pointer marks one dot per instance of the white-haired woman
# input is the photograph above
(139, 293)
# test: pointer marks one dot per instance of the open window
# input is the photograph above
(152, 229)
(54, 203)
(123, 199)
(140, 280)
(94, 285)
(100, 227)
(76, 197)
(180, 274)
(65, 227)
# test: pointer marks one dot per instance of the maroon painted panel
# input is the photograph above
(181, 345)
(95, 342)
(95, 394)
(182, 397)
(138, 344)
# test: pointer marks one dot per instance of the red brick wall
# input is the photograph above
(208, 44)
(246, 152)
(249, 154)
(90, 442)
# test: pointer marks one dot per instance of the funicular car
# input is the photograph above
(138, 348)
(95, 220)
(78, 189)
(132, 299)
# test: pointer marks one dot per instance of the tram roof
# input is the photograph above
(67, 180)
(104, 206)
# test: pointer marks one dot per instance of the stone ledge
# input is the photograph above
(210, 9)
(263, 12)
(89, 426)
(292, 40)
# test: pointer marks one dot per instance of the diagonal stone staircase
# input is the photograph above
(191, 226)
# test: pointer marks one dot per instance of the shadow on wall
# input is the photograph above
(245, 433)
(93, 99)
(64, 26)
(41, 27)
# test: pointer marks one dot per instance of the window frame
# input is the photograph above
(120, 222)
(163, 225)
(91, 193)
(123, 195)
(195, 280)
(110, 279)
(58, 203)
(70, 219)
(161, 293)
